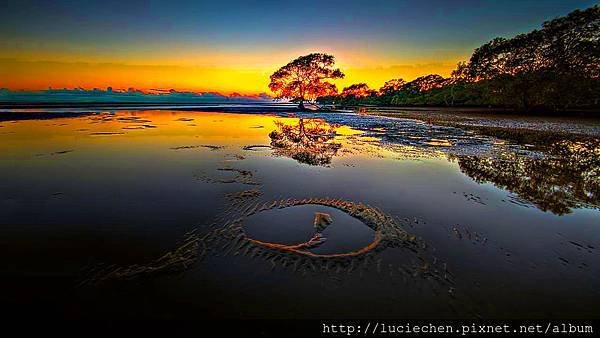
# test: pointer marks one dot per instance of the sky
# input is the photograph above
(233, 46)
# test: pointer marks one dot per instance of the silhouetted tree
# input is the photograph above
(554, 68)
(303, 79)
(456, 82)
(460, 74)
(424, 83)
(391, 86)
(557, 65)
(357, 90)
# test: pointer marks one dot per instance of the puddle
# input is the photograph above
(296, 225)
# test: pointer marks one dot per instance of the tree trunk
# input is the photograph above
(301, 105)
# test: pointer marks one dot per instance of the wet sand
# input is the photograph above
(205, 215)
(522, 128)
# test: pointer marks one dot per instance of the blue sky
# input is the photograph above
(263, 34)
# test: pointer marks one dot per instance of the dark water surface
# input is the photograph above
(502, 229)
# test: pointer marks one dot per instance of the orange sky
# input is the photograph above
(245, 74)
(233, 46)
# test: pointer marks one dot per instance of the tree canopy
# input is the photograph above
(391, 86)
(304, 79)
(556, 67)
(565, 45)
(424, 83)
(357, 90)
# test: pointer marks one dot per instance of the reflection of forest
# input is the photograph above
(310, 141)
(569, 177)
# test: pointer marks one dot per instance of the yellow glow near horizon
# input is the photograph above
(247, 75)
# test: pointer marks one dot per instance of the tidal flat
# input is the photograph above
(214, 214)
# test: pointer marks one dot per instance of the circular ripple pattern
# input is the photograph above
(387, 230)
(414, 260)
(230, 238)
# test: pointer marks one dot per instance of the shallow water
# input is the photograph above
(487, 228)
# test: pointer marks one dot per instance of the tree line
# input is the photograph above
(554, 68)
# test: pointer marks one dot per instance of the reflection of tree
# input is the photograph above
(310, 141)
(568, 178)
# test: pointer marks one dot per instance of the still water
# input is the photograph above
(180, 214)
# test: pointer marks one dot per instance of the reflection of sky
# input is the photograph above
(258, 36)
(129, 198)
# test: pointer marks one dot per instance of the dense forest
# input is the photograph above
(555, 68)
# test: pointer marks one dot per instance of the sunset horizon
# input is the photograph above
(89, 47)
(22, 76)
(263, 168)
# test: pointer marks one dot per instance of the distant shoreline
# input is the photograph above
(252, 106)
(70, 104)
(276, 107)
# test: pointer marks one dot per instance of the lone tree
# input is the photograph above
(304, 78)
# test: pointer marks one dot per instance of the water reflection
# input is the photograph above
(310, 141)
(568, 177)
(198, 199)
